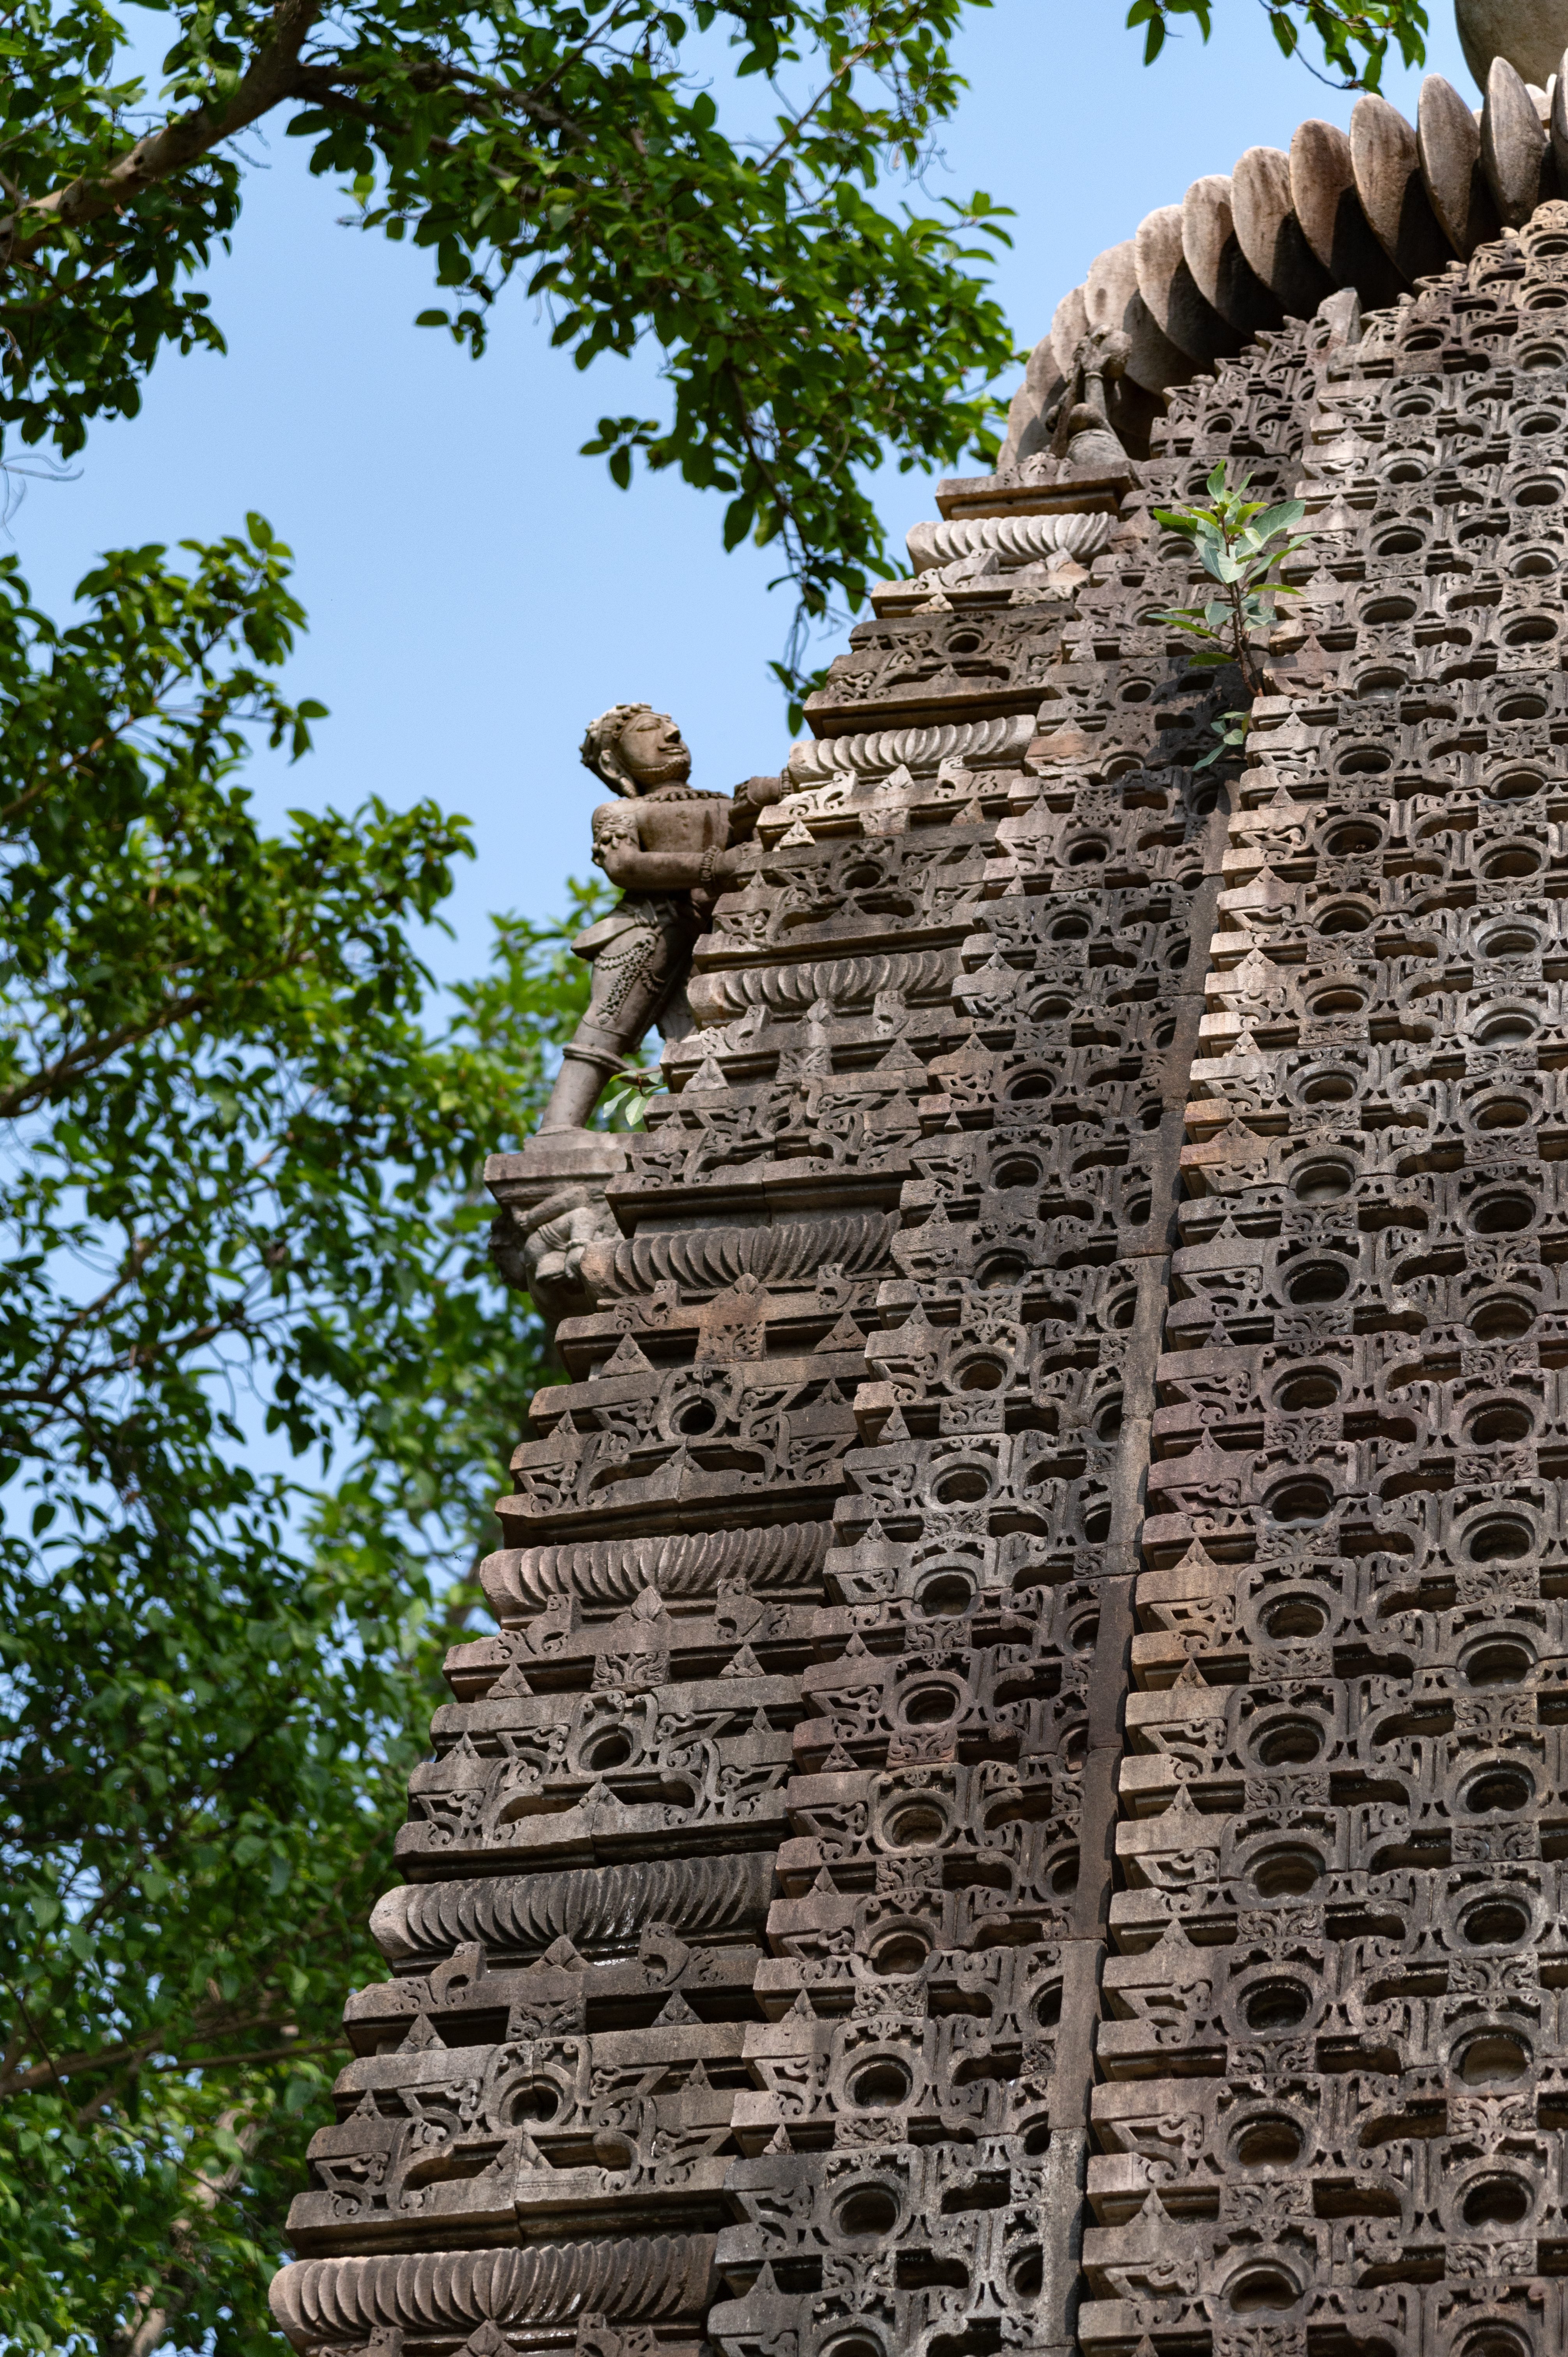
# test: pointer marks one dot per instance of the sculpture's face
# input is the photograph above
(653, 751)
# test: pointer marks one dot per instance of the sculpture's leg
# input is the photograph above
(633, 978)
(584, 1068)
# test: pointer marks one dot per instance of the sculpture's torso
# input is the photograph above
(678, 819)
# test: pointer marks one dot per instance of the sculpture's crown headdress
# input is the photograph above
(601, 746)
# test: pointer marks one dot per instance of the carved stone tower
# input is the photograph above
(1019, 1803)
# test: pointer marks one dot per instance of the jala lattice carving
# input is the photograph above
(1016, 1800)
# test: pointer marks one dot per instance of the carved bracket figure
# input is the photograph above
(663, 842)
(666, 844)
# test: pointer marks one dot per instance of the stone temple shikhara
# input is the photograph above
(1020, 1802)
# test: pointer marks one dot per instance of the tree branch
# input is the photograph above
(156, 2314)
(268, 78)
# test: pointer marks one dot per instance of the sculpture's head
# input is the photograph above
(632, 748)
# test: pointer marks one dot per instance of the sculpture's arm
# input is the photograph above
(632, 869)
(618, 852)
(752, 796)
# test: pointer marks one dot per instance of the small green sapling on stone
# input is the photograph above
(625, 1101)
(1239, 542)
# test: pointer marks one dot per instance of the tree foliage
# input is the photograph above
(806, 332)
(1353, 41)
(1241, 544)
(240, 1227)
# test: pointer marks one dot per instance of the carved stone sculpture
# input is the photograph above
(663, 843)
(1018, 1801)
(1078, 420)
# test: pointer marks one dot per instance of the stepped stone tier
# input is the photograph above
(1019, 1802)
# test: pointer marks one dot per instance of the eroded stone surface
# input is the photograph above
(1328, 2113)
(1015, 1802)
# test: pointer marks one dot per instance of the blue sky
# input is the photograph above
(478, 591)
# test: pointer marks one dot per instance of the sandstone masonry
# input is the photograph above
(1018, 1802)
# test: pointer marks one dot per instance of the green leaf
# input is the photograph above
(220, 1671)
(805, 329)
(1284, 517)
